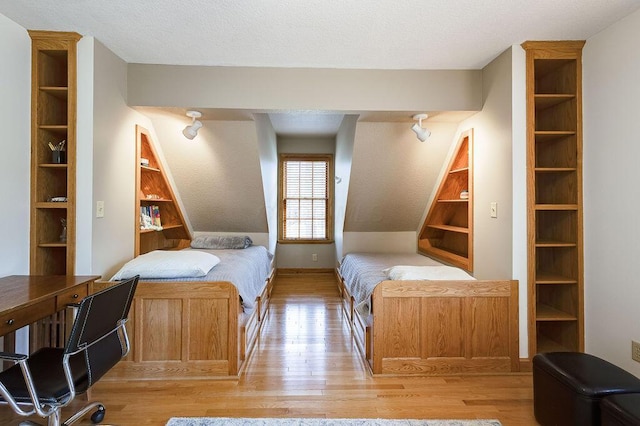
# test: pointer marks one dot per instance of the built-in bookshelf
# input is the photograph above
(165, 227)
(53, 152)
(447, 233)
(554, 195)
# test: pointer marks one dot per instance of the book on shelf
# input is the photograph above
(150, 218)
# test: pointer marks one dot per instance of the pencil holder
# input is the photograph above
(58, 157)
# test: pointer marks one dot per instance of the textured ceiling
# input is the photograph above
(362, 34)
(356, 34)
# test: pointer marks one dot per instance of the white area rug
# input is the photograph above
(209, 421)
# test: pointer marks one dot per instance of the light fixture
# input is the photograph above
(191, 131)
(420, 131)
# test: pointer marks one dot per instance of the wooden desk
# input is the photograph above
(25, 299)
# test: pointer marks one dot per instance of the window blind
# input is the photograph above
(305, 199)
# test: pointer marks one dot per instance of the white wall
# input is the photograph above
(344, 156)
(268, 148)
(84, 156)
(500, 249)
(300, 255)
(114, 151)
(611, 107)
(306, 144)
(15, 120)
(519, 194)
(380, 242)
(492, 172)
(304, 89)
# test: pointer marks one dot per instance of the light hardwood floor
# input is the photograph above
(305, 365)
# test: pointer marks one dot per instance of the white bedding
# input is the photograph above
(247, 269)
(168, 263)
(361, 272)
(440, 272)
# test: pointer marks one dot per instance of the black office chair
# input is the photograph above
(50, 378)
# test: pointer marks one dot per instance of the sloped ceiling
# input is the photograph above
(217, 174)
(393, 174)
(219, 181)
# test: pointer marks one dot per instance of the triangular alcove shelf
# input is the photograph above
(153, 189)
(447, 233)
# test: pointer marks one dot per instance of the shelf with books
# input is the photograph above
(150, 218)
(160, 223)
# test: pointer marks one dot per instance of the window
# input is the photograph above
(306, 205)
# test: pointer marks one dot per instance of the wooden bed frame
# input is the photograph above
(438, 327)
(189, 330)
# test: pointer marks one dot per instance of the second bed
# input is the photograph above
(448, 324)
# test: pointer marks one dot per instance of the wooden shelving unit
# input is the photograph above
(53, 120)
(447, 233)
(153, 188)
(554, 194)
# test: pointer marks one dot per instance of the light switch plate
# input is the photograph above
(494, 209)
(99, 208)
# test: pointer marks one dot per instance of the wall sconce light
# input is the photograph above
(191, 131)
(420, 131)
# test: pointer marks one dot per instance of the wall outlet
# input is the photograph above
(635, 351)
(314, 257)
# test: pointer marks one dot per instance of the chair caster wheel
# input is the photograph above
(98, 416)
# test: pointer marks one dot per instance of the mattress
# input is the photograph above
(362, 272)
(247, 269)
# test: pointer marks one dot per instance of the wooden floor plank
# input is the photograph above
(306, 365)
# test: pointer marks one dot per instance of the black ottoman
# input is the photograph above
(620, 410)
(568, 387)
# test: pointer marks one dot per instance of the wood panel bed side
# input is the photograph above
(445, 327)
(182, 329)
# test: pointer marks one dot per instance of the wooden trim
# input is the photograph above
(580, 225)
(329, 158)
(526, 366)
(306, 241)
(54, 36)
(293, 271)
(551, 47)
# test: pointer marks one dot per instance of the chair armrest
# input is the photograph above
(20, 360)
(9, 356)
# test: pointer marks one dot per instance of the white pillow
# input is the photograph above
(168, 264)
(441, 272)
